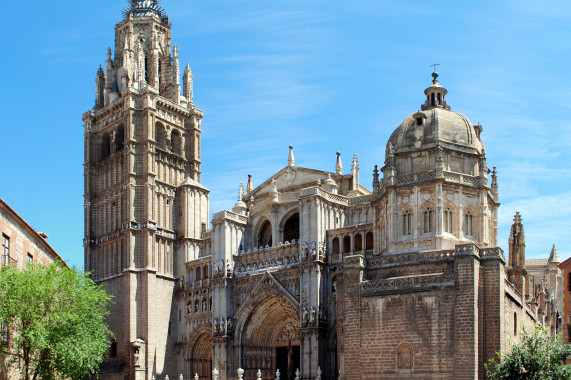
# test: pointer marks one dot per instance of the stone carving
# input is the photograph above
(229, 326)
(289, 176)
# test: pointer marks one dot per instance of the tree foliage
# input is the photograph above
(538, 356)
(55, 320)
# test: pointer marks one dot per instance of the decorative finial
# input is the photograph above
(517, 218)
(241, 192)
(290, 158)
(250, 187)
(338, 164)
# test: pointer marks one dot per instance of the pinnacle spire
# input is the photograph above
(338, 164)
(290, 158)
(554, 255)
(250, 187)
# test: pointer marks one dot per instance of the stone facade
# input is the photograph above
(310, 269)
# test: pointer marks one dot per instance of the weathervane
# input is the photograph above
(434, 65)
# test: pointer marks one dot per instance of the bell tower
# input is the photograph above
(144, 203)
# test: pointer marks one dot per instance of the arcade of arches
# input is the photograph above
(290, 231)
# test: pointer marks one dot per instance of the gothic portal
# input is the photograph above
(310, 270)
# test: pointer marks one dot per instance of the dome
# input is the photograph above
(435, 124)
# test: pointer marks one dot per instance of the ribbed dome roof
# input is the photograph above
(434, 124)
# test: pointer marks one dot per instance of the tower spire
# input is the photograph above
(290, 158)
(355, 172)
(338, 164)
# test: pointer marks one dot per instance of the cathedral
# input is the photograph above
(311, 274)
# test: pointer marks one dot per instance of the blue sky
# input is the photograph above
(320, 75)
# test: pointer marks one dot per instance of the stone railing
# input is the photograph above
(410, 258)
(225, 214)
(419, 282)
(492, 252)
(318, 191)
(418, 177)
(461, 178)
(362, 199)
(277, 256)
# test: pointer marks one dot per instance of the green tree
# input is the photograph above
(539, 355)
(53, 320)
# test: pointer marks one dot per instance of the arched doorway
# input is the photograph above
(200, 360)
(265, 235)
(270, 340)
(291, 228)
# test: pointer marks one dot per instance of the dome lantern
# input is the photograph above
(435, 95)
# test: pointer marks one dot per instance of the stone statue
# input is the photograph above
(274, 185)
(313, 248)
(215, 326)
(221, 326)
(136, 356)
(312, 316)
(304, 316)
(229, 326)
(304, 251)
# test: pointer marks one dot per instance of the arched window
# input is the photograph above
(160, 136)
(335, 246)
(369, 241)
(291, 228)
(468, 223)
(428, 220)
(347, 244)
(265, 236)
(407, 223)
(358, 242)
(196, 306)
(105, 145)
(176, 142)
(405, 356)
(448, 220)
(119, 138)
